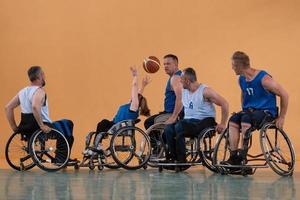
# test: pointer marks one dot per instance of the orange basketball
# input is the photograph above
(151, 64)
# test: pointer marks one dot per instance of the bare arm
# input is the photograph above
(9, 111)
(177, 87)
(134, 106)
(214, 97)
(37, 102)
(274, 87)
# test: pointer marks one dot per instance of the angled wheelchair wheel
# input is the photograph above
(221, 152)
(207, 140)
(109, 161)
(278, 150)
(17, 153)
(130, 148)
(157, 151)
(50, 151)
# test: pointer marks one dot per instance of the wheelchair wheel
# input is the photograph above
(50, 151)
(17, 153)
(109, 160)
(157, 144)
(130, 148)
(221, 151)
(207, 141)
(278, 150)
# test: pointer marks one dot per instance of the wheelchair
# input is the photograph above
(276, 151)
(199, 149)
(122, 150)
(50, 152)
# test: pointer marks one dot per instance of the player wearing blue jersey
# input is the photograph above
(258, 97)
(131, 110)
(173, 92)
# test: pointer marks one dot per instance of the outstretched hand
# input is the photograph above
(146, 80)
(133, 70)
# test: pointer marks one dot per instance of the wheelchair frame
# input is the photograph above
(265, 156)
(29, 146)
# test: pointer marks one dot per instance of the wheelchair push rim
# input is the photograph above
(47, 153)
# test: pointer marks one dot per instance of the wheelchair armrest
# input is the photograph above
(162, 118)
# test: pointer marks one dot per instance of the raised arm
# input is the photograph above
(134, 90)
(9, 111)
(274, 87)
(212, 96)
(38, 99)
(177, 87)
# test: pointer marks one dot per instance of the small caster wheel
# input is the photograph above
(76, 167)
(160, 168)
(145, 167)
(177, 169)
(100, 167)
(22, 167)
(91, 166)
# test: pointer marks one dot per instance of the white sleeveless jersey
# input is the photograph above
(195, 106)
(25, 97)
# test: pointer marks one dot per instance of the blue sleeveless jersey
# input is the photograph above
(124, 113)
(255, 96)
(170, 96)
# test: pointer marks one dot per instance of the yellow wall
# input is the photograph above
(86, 48)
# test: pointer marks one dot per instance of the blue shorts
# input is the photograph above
(256, 117)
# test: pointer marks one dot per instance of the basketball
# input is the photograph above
(151, 64)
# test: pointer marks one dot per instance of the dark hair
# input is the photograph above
(144, 109)
(191, 74)
(242, 58)
(33, 72)
(172, 56)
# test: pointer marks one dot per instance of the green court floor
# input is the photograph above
(145, 184)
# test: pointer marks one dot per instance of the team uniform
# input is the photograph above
(169, 102)
(198, 115)
(29, 125)
(258, 103)
(124, 113)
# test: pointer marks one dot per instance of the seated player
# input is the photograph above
(34, 109)
(129, 111)
(199, 113)
(172, 101)
(258, 96)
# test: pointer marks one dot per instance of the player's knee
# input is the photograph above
(179, 128)
(234, 125)
(245, 127)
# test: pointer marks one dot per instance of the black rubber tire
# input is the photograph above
(124, 164)
(206, 149)
(216, 149)
(266, 153)
(24, 148)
